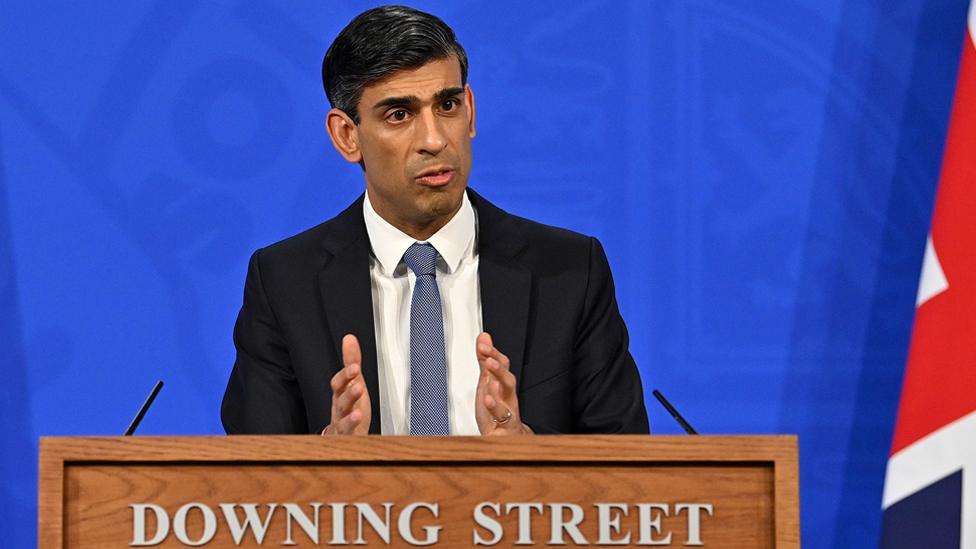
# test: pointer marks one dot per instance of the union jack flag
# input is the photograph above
(930, 486)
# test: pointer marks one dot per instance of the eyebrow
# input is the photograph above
(407, 100)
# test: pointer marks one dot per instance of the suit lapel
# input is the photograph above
(347, 299)
(506, 285)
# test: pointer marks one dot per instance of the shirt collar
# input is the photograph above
(454, 241)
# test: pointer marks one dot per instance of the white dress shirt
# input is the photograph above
(392, 285)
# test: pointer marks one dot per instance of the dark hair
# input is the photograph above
(379, 42)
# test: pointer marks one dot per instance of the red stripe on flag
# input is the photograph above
(940, 380)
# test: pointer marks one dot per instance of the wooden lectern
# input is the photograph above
(308, 491)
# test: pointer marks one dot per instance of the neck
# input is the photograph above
(423, 232)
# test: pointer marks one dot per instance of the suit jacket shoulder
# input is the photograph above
(301, 296)
(309, 250)
(544, 247)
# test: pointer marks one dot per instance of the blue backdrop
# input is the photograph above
(761, 174)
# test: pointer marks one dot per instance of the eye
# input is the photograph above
(398, 115)
(450, 105)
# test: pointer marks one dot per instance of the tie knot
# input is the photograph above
(421, 258)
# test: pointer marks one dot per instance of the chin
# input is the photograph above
(442, 202)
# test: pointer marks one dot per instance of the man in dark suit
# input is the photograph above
(423, 308)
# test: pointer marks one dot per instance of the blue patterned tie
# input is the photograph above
(428, 364)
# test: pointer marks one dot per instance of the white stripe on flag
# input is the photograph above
(933, 281)
(934, 457)
(972, 23)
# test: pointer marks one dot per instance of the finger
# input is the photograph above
(494, 401)
(484, 345)
(496, 406)
(484, 338)
(483, 380)
(485, 355)
(344, 377)
(484, 383)
(494, 370)
(507, 381)
(347, 425)
(350, 351)
(483, 388)
(486, 350)
(346, 400)
(480, 390)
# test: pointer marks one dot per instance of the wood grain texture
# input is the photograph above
(87, 484)
(50, 496)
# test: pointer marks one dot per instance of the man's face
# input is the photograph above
(414, 136)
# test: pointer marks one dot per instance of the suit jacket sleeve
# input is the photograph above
(608, 396)
(262, 394)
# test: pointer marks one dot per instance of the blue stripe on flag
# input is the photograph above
(928, 518)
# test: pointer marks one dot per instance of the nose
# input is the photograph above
(431, 138)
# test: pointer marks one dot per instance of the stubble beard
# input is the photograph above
(438, 207)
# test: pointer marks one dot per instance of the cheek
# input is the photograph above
(463, 141)
(380, 154)
(390, 146)
(387, 166)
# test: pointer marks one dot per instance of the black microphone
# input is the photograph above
(674, 413)
(145, 407)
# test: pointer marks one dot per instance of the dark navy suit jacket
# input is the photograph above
(547, 300)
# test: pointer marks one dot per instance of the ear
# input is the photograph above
(469, 99)
(344, 135)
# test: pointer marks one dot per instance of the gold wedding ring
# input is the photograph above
(504, 420)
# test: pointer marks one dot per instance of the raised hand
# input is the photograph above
(351, 411)
(496, 407)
